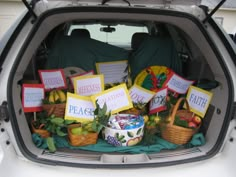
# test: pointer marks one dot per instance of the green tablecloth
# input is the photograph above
(102, 146)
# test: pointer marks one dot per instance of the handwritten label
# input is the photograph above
(198, 100)
(178, 84)
(140, 95)
(114, 72)
(72, 77)
(79, 108)
(158, 102)
(89, 85)
(117, 99)
(53, 79)
(32, 95)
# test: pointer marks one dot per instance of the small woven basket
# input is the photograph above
(177, 134)
(57, 109)
(43, 133)
(81, 140)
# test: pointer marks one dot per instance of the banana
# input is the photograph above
(51, 97)
(56, 95)
(62, 95)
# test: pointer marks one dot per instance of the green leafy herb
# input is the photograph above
(101, 117)
(180, 122)
(51, 144)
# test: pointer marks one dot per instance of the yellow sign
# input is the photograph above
(140, 95)
(89, 85)
(117, 99)
(198, 100)
(79, 108)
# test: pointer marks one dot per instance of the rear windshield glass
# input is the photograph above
(119, 35)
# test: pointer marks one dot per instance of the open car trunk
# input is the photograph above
(187, 49)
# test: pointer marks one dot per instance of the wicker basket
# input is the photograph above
(43, 133)
(57, 109)
(81, 140)
(176, 134)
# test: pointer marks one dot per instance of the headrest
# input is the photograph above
(137, 39)
(80, 33)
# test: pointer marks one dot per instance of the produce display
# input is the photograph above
(122, 114)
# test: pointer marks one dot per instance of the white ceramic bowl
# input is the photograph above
(126, 137)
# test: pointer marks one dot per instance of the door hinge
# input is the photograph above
(4, 115)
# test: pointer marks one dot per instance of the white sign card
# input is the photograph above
(158, 102)
(117, 99)
(72, 77)
(140, 95)
(52, 79)
(32, 96)
(114, 72)
(198, 100)
(178, 84)
(79, 108)
(89, 85)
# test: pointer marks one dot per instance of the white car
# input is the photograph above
(57, 34)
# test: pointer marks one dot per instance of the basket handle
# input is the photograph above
(176, 107)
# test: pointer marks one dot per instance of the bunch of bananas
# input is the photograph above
(56, 96)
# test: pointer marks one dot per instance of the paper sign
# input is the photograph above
(140, 95)
(178, 84)
(79, 108)
(158, 102)
(72, 77)
(89, 85)
(198, 100)
(53, 79)
(32, 95)
(114, 72)
(117, 99)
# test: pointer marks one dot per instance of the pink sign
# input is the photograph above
(158, 102)
(52, 79)
(72, 77)
(178, 84)
(32, 95)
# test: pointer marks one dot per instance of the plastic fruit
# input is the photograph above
(146, 118)
(157, 119)
(152, 117)
(197, 120)
(85, 132)
(77, 131)
(192, 125)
